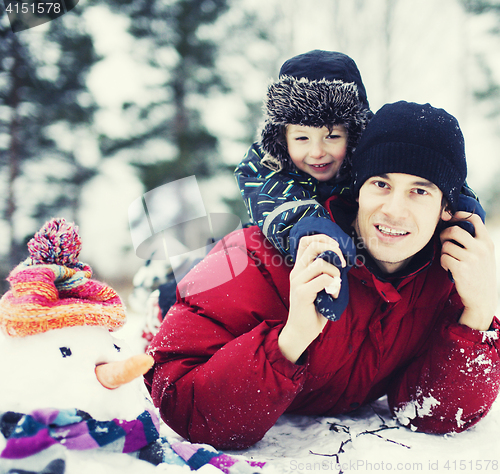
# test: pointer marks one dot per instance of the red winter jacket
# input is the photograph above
(220, 378)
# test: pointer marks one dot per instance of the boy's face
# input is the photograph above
(398, 214)
(316, 151)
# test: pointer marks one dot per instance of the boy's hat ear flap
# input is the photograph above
(273, 144)
(467, 204)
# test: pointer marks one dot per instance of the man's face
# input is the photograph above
(317, 151)
(397, 217)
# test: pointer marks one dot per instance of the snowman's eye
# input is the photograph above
(65, 351)
(118, 349)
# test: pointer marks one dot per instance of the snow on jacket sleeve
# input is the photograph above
(454, 382)
(278, 200)
(220, 378)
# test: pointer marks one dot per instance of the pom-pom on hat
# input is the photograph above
(416, 139)
(315, 89)
(52, 289)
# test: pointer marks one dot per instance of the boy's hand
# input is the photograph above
(333, 300)
(329, 302)
(309, 276)
(471, 261)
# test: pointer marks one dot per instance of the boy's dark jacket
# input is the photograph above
(220, 377)
(278, 200)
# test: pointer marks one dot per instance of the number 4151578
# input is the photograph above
(41, 8)
(479, 465)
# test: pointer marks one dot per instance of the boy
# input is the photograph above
(315, 114)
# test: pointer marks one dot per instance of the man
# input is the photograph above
(419, 325)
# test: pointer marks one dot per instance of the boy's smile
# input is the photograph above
(398, 214)
(317, 151)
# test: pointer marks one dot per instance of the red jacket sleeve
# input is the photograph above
(219, 377)
(454, 382)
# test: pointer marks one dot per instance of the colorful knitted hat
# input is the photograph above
(51, 289)
(316, 89)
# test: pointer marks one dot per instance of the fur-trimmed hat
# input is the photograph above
(316, 89)
(416, 139)
(51, 289)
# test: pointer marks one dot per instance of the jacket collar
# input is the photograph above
(417, 264)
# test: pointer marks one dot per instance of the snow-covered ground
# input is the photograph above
(368, 440)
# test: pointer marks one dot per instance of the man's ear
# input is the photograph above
(446, 214)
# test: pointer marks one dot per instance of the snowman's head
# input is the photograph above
(55, 311)
(57, 369)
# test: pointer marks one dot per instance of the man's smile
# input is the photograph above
(390, 231)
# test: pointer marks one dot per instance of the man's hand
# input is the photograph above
(309, 276)
(472, 264)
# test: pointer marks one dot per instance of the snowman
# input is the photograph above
(66, 382)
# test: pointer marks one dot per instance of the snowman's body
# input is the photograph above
(56, 369)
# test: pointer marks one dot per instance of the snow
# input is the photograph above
(371, 440)
(367, 440)
(413, 409)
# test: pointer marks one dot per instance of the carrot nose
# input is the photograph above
(115, 374)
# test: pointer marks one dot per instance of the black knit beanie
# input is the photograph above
(415, 139)
(316, 89)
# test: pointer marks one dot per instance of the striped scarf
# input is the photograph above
(28, 434)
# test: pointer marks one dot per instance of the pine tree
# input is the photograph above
(491, 92)
(481, 6)
(68, 109)
(173, 33)
(42, 98)
(19, 130)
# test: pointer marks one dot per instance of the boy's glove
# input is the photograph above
(467, 203)
(331, 308)
(472, 205)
